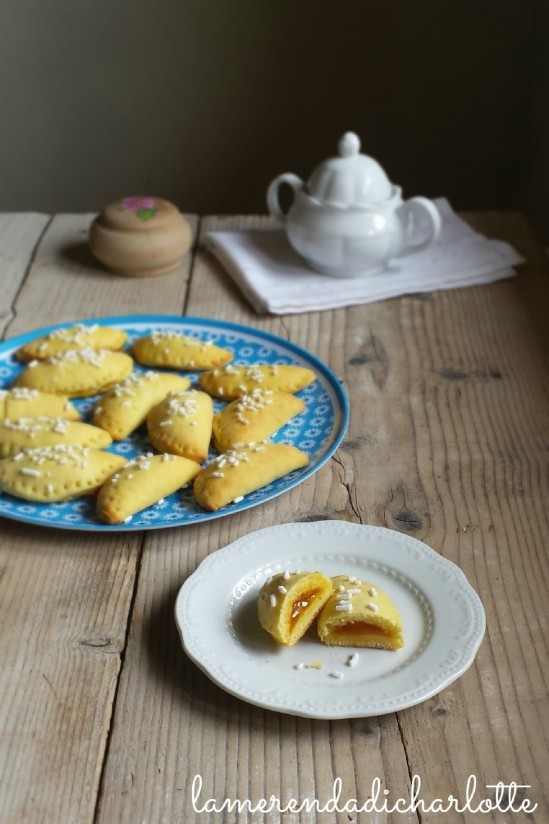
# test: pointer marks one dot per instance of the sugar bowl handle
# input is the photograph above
(273, 204)
(420, 215)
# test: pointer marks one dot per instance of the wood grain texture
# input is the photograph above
(66, 597)
(447, 442)
(19, 236)
(67, 283)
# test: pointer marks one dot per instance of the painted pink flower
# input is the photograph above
(134, 204)
(143, 207)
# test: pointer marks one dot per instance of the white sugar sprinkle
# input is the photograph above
(282, 589)
(335, 674)
(272, 599)
(352, 660)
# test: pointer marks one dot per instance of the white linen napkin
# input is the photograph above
(275, 279)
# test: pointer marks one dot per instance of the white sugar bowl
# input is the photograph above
(349, 220)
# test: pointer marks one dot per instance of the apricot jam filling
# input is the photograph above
(301, 604)
(362, 627)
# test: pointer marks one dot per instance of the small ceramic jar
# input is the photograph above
(140, 236)
(349, 219)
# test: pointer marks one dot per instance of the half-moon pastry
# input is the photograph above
(177, 351)
(244, 469)
(182, 424)
(21, 402)
(126, 406)
(57, 473)
(289, 602)
(32, 433)
(79, 336)
(232, 382)
(77, 373)
(254, 417)
(142, 482)
(359, 614)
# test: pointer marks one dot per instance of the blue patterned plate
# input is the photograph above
(318, 430)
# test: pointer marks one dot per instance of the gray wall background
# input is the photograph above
(205, 101)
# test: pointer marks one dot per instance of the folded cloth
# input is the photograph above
(275, 279)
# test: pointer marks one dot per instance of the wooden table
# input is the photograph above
(104, 719)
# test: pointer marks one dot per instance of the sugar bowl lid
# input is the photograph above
(351, 179)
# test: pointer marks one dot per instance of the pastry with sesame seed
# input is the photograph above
(177, 351)
(21, 402)
(30, 433)
(79, 336)
(141, 483)
(254, 417)
(359, 614)
(182, 424)
(57, 473)
(235, 381)
(242, 470)
(126, 406)
(289, 602)
(77, 373)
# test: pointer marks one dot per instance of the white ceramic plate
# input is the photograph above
(318, 430)
(442, 616)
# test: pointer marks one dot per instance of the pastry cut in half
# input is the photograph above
(359, 614)
(289, 602)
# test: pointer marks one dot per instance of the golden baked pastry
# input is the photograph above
(182, 424)
(21, 402)
(77, 373)
(289, 602)
(32, 433)
(178, 351)
(233, 382)
(126, 406)
(360, 614)
(142, 482)
(57, 473)
(240, 471)
(79, 336)
(254, 417)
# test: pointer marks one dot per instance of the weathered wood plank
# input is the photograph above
(65, 601)
(479, 409)
(66, 596)
(68, 284)
(19, 235)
